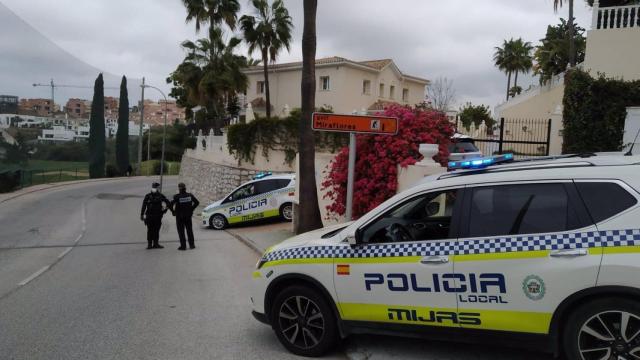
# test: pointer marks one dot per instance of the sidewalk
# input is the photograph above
(261, 237)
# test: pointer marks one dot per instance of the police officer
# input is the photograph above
(182, 206)
(151, 214)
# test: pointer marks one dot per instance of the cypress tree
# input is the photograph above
(97, 131)
(122, 136)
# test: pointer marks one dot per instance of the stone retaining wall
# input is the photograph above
(209, 181)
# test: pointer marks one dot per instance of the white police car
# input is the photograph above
(542, 254)
(266, 196)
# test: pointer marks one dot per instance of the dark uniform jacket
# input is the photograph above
(183, 204)
(152, 205)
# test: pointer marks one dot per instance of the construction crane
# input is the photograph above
(53, 87)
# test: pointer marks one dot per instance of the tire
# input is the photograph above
(286, 212)
(218, 222)
(319, 327)
(598, 326)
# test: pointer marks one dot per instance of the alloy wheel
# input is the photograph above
(287, 212)
(301, 322)
(218, 222)
(610, 335)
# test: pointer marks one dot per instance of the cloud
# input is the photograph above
(426, 38)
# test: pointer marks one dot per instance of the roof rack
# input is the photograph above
(516, 166)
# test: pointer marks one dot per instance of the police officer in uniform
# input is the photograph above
(182, 206)
(151, 214)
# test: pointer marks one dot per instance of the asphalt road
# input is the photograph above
(76, 282)
(108, 297)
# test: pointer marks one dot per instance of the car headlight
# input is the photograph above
(261, 262)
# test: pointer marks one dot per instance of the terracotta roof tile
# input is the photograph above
(376, 64)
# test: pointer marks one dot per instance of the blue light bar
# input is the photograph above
(479, 163)
(262, 175)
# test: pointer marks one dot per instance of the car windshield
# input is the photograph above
(462, 147)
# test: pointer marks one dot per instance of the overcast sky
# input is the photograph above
(426, 38)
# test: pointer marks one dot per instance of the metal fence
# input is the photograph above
(17, 179)
(522, 137)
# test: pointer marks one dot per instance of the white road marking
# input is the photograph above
(33, 276)
(65, 252)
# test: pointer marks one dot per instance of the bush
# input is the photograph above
(595, 111)
(9, 181)
(278, 135)
(379, 156)
(156, 168)
(69, 151)
(111, 170)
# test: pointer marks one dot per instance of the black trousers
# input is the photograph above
(184, 223)
(153, 230)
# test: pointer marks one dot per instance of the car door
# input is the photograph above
(523, 248)
(402, 269)
(269, 205)
(241, 205)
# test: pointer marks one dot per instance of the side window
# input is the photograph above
(283, 183)
(604, 199)
(520, 209)
(244, 192)
(266, 186)
(425, 217)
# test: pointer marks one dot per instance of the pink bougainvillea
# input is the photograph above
(378, 158)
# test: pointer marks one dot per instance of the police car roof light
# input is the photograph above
(479, 163)
(262, 175)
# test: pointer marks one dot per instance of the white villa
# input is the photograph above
(342, 84)
(612, 48)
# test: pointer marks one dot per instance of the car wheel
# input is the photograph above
(286, 211)
(604, 329)
(218, 222)
(303, 321)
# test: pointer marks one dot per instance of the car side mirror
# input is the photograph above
(433, 208)
(355, 239)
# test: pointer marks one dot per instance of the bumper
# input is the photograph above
(260, 317)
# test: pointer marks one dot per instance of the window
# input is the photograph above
(244, 192)
(260, 87)
(325, 83)
(520, 209)
(425, 217)
(366, 87)
(392, 92)
(604, 200)
(77, 111)
(266, 186)
(381, 91)
(405, 95)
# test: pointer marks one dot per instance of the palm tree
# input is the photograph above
(212, 12)
(522, 60)
(308, 215)
(269, 32)
(503, 59)
(211, 74)
(572, 44)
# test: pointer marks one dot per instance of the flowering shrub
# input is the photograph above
(379, 155)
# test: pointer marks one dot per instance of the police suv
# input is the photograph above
(266, 196)
(545, 253)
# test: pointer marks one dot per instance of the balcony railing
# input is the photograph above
(615, 17)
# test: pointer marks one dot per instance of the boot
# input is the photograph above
(149, 246)
(157, 246)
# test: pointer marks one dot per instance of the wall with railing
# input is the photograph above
(615, 17)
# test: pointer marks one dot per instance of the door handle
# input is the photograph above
(569, 253)
(431, 260)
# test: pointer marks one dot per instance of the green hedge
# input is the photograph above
(279, 135)
(595, 111)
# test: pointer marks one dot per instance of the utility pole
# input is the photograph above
(141, 126)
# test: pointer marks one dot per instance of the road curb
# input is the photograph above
(66, 183)
(250, 244)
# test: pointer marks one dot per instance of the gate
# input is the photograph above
(522, 137)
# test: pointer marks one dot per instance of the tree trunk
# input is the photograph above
(515, 83)
(267, 94)
(216, 119)
(508, 84)
(572, 40)
(307, 217)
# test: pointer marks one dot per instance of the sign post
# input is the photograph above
(354, 124)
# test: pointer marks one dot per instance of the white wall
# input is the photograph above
(631, 128)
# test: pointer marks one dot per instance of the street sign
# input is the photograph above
(377, 125)
(352, 124)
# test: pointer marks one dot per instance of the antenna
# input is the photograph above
(630, 152)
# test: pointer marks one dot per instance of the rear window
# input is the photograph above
(462, 147)
(605, 199)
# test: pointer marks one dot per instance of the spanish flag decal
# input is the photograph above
(342, 269)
